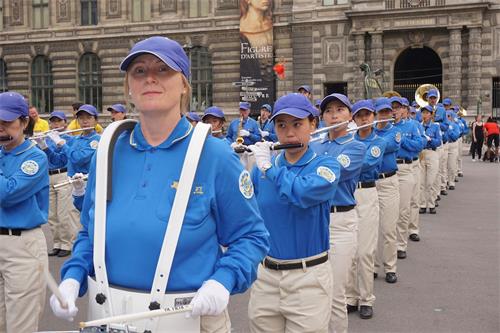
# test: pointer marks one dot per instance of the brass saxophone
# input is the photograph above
(239, 139)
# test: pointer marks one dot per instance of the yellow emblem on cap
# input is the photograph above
(326, 173)
(375, 151)
(29, 167)
(94, 144)
(344, 160)
(245, 184)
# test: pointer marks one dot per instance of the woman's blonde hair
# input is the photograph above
(185, 96)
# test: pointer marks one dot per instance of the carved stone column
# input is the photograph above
(357, 79)
(377, 50)
(455, 70)
(474, 67)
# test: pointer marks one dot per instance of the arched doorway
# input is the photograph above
(416, 66)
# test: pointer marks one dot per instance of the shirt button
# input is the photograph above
(144, 184)
(148, 167)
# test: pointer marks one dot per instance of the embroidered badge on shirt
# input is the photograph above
(29, 167)
(246, 185)
(375, 151)
(344, 160)
(326, 173)
(398, 137)
(94, 144)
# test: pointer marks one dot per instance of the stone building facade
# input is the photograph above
(323, 42)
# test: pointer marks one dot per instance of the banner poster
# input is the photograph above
(256, 53)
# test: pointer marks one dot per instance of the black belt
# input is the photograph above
(404, 161)
(10, 232)
(433, 149)
(414, 159)
(57, 171)
(366, 184)
(341, 209)
(386, 174)
(293, 265)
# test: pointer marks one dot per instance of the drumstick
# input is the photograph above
(52, 284)
(136, 316)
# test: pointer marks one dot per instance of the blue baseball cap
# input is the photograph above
(58, 114)
(432, 93)
(193, 116)
(305, 87)
(244, 106)
(90, 109)
(342, 98)
(447, 101)
(214, 111)
(267, 107)
(166, 49)
(414, 104)
(395, 99)
(12, 106)
(413, 110)
(294, 104)
(365, 104)
(118, 108)
(405, 101)
(318, 102)
(382, 103)
(427, 108)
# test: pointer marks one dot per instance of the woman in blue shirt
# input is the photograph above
(293, 291)
(222, 210)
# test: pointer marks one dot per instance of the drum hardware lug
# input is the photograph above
(154, 306)
(100, 298)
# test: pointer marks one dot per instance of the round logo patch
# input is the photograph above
(326, 173)
(398, 137)
(245, 184)
(375, 151)
(344, 160)
(94, 144)
(29, 167)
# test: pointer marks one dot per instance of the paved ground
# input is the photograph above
(450, 281)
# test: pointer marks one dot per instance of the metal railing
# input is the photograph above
(395, 4)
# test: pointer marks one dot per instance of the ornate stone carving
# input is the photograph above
(333, 50)
(168, 6)
(63, 11)
(114, 8)
(416, 38)
(17, 12)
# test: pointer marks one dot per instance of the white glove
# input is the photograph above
(234, 144)
(262, 153)
(264, 133)
(428, 138)
(244, 132)
(56, 138)
(78, 184)
(69, 290)
(41, 143)
(210, 300)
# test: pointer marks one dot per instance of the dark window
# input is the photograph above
(496, 97)
(3, 76)
(90, 80)
(335, 87)
(334, 2)
(201, 78)
(42, 95)
(40, 14)
(199, 8)
(89, 12)
(141, 10)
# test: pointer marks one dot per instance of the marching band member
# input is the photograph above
(222, 210)
(305, 90)
(350, 153)
(360, 284)
(454, 133)
(388, 189)
(293, 290)
(63, 221)
(24, 194)
(266, 124)
(215, 117)
(441, 119)
(74, 124)
(465, 131)
(430, 161)
(193, 118)
(118, 112)
(410, 147)
(244, 127)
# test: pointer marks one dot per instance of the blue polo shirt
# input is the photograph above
(411, 140)
(432, 130)
(268, 126)
(80, 152)
(250, 125)
(375, 148)
(392, 136)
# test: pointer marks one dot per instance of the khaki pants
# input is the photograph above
(443, 168)
(63, 217)
(429, 166)
(216, 324)
(22, 284)
(436, 186)
(388, 198)
(459, 156)
(415, 200)
(360, 284)
(406, 186)
(452, 162)
(343, 244)
(297, 300)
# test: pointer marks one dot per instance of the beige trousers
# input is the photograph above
(436, 186)
(452, 162)
(415, 200)
(360, 284)
(406, 186)
(63, 216)
(294, 301)
(22, 284)
(388, 198)
(443, 168)
(459, 156)
(343, 244)
(429, 166)
(216, 324)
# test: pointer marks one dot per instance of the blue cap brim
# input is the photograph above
(383, 107)
(58, 117)
(294, 112)
(212, 114)
(128, 60)
(87, 112)
(331, 98)
(8, 115)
